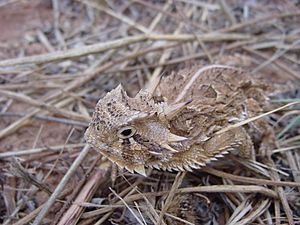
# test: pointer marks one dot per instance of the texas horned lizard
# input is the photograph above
(173, 123)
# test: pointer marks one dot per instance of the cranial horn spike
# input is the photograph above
(129, 169)
(118, 90)
(138, 116)
(119, 86)
(166, 146)
(175, 138)
(155, 153)
(153, 84)
(141, 170)
(171, 110)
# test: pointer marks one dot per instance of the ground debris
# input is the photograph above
(57, 58)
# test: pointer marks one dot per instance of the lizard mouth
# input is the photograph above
(104, 149)
(138, 168)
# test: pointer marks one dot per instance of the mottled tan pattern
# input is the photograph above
(173, 123)
(196, 209)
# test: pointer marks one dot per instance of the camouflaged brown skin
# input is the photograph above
(196, 209)
(180, 138)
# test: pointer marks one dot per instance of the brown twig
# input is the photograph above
(38, 220)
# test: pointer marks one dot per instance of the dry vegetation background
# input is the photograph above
(58, 57)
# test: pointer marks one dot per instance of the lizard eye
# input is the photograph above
(126, 132)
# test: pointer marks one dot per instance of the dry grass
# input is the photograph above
(49, 176)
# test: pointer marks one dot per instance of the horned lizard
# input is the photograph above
(173, 124)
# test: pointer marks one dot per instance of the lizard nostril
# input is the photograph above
(97, 128)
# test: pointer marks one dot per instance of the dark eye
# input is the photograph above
(126, 132)
(98, 128)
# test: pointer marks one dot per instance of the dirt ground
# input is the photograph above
(50, 82)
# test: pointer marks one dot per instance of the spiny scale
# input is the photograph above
(178, 131)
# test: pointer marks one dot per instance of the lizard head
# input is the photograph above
(134, 132)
